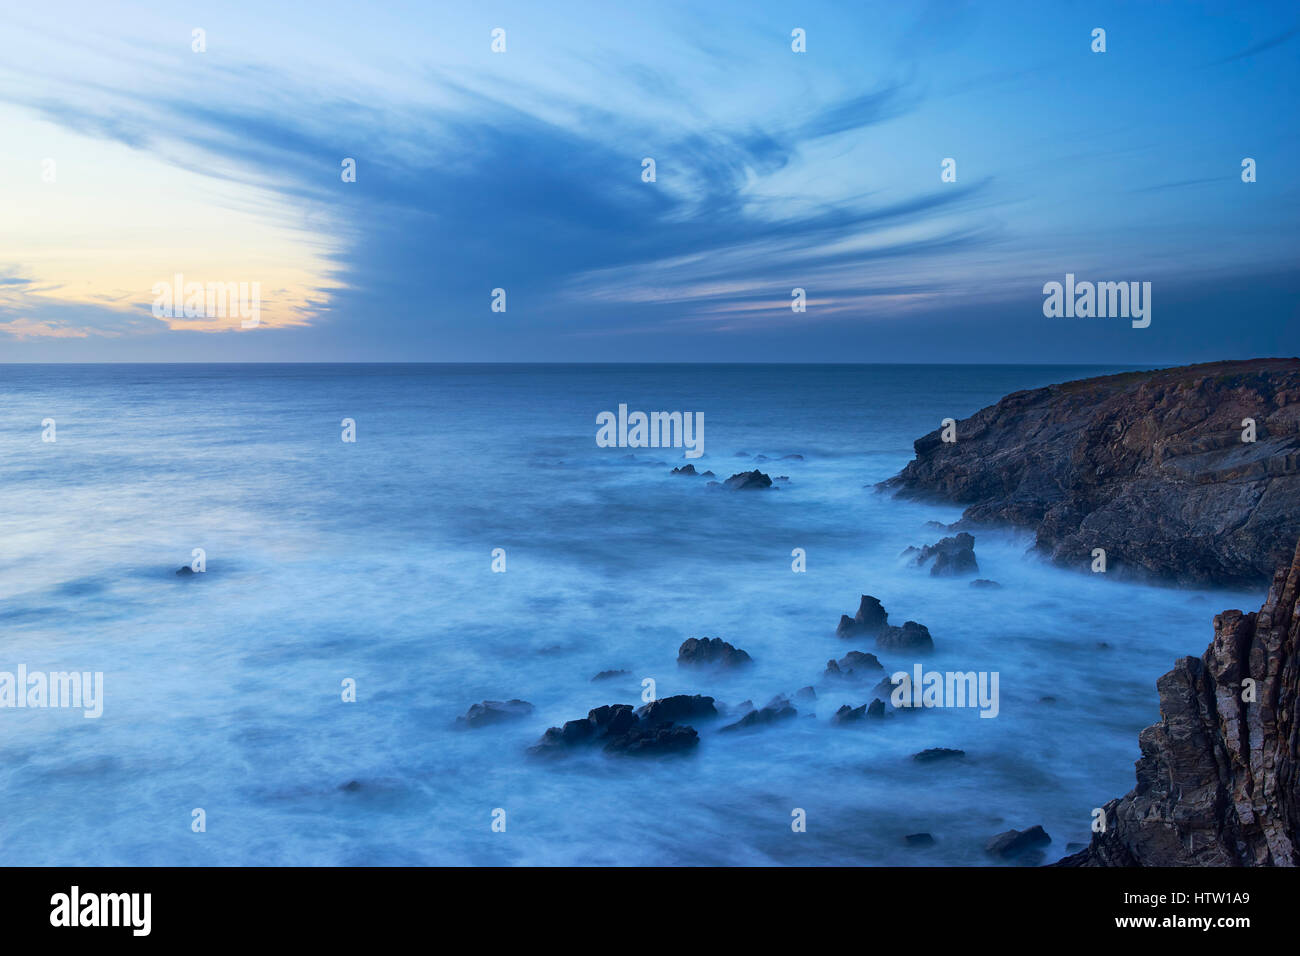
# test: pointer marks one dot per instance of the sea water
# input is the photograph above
(372, 561)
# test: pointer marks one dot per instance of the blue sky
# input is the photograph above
(522, 170)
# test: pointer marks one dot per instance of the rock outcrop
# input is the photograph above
(1150, 466)
(1218, 782)
(494, 712)
(621, 731)
(951, 556)
(710, 651)
(748, 481)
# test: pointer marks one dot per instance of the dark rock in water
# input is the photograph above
(1074, 847)
(936, 525)
(494, 712)
(700, 652)
(748, 481)
(781, 478)
(1012, 843)
(985, 583)
(1218, 781)
(855, 665)
(806, 693)
(609, 675)
(744, 707)
(352, 786)
(910, 637)
(761, 458)
(656, 739)
(778, 708)
(1148, 465)
(870, 619)
(919, 839)
(886, 687)
(620, 730)
(848, 715)
(1047, 700)
(952, 556)
(185, 571)
(791, 458)
(707, 474)
(933, 754)
(681, 707)
(685, 470)
(851, 715)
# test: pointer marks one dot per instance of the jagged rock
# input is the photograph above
(985, 583)
(609, 675)
(1218, 782)
(1013, 843)
(778, 708)
(910, 637)
(748, 481)
(494, 712)
(1150, 466)
(932, 754)
(621, 731)
(855, 665)
(656, 739)
(870, 619)
(806, 693)
(952, 556)
(707, 474)
(685, 470)
(852, 715)
(680, 707)
(701, 652)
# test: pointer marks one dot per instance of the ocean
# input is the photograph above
(372, 561)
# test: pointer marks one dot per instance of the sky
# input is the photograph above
(130, 156)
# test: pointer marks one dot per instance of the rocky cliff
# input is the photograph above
(1152, 467)
(1218, 782)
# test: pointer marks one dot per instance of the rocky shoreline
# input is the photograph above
(1218, 782)
(1190, 475)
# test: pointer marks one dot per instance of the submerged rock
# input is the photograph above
(933, 754)
(710, 651)
(494, 712)
(778, 708)
(918, 839)
(855, 665)
(952, 556)
(851, 715)
(620, 730)
(680, 707)
(985, 583)
(910, 637)
(1012, 843)
(748, 481)
(185, 571)
(609, 675)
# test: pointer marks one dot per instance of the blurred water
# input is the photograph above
(372, 560)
